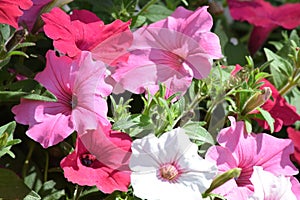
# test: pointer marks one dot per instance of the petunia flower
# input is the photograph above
(264, 17)
(169, 167)
(267, 186)
(283, 113)
(240, 149)
(31, 15)
(294, 135)
(101, 159)
(171, 51)
(79, 87)
(11, 10)
(84, 31)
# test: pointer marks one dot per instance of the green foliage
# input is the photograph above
(6, 139)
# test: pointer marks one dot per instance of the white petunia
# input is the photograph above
(267, 186)
(169, 167)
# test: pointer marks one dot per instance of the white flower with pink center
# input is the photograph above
(169, 167)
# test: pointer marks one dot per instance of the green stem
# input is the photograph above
(191, 107)
(292, 83)
(46, 167)
(27, 160)
(146, 6)
(77, 192)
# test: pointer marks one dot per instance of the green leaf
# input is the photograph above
(6, 138)
(49, 192)
(28, 89)
(157, 12)
(196, 132)
(267, 116)
(4, 31)
(280, 68)
(12, 187)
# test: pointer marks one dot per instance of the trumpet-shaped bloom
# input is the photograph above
(265, 17)
(267, 186)
(101, 158)
(79, 87)
(169, 167)
(240, 149)
(171, 51)
(84, 31)
(283, 113)
(11, 10)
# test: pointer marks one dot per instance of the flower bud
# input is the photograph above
(257, 100)
(223, 178)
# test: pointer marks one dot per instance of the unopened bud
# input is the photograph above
(257, 100)
(223, 178)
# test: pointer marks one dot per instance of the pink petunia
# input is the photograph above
(240, 149)
(101, 158)
(283, 113)
(30, 16)
(79, 87)
(265, 17)
(11, 10)
(171, 51)
(84, 31)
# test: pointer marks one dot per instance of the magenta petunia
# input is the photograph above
(11, 10)
(84, 31)
(265, 17)
(31, 15)
(171, 51)
(240, 149)
(101, 159)
(283, 113)
(79, 87)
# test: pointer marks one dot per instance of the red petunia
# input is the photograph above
(283, 113)
(84, 31)
(101, 159)
(294, 135)
(11, 10)
(265, 17)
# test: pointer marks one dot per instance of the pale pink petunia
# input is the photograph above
(171, 51)
(84, 31)
(267, 186)
(240, 149)
(11, 10)
(101, 158)
(79, 87)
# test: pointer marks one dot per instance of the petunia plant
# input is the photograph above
(129, 100)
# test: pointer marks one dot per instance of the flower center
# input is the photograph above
(168, 172)
(74, 101)
(87, 159)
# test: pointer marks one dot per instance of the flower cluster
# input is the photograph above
(151, 108)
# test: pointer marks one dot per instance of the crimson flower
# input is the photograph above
(264, 17)
(294, 135)
(11, 10)
(84, 31)
(283, 113)
(101, 158)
